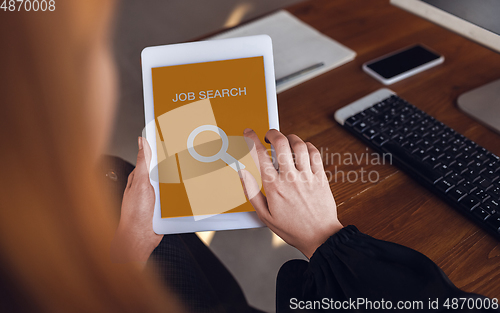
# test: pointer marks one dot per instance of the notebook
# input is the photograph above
(296, 46)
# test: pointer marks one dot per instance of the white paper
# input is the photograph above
(296, 46)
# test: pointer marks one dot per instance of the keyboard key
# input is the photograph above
(469, 149)
(444, 169)
(470, 142)
(360, 127)
(383, 126)
(432, 161)
(494, 166)
(370, 133)
(459, 142)
(484, 182)
(437, 151)
(491, 206)
(405, 130)
(411, 123)
(467, 186)
(447, 135)
(353, 120)
(361, 115)
(390, 133)
(437, 128)
(396, 124)
(481, 194)
(411, 146)
(444, 185)
(493, 156)
(421, 130)
(447, 159)
(425, 144)
(481, 157)
(494, 191)
(454, 150)
(469, 202)
(421, 154)
(480, 150)
(380, 140)
(465, 158)
(373, 110)
(491, 175)
(477, 166)
(400, 140)
(455, 178)
(457, 193)
(480, 213)
(470, 175)
(415, 138)
(417, 115)
(432, 137)
(459, 167)
(494, 222)
(393, 112)
(381, 106)
(371, 120)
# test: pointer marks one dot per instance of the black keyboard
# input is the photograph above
(461, 172)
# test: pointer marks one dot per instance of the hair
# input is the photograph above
(56, 222)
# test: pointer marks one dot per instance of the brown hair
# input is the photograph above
(55, 219)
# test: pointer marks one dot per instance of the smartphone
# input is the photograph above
(403, 63)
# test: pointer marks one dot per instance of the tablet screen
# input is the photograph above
(201, 110)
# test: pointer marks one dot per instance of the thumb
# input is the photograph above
(143, 157)
(254, 195)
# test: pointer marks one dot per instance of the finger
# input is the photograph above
(254, 195)
(147, 152)
(130, 179)
(301, 153)
(282, 148)
(267, 170)
(143, 160)
(315, 157)
(253, 152)
(250, 185)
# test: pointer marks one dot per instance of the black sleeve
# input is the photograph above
(351, 267)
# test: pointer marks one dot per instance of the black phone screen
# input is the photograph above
(402, 61)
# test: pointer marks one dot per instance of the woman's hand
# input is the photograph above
(135, 239)
(299, 206)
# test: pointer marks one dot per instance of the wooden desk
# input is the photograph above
(396, 208)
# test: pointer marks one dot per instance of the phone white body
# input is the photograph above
(402, 74)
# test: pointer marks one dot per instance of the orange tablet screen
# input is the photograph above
(201, 110)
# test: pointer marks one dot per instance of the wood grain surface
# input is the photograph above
(395, 207)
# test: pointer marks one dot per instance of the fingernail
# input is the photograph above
(247, 130)
(139, 140)
(266, 140)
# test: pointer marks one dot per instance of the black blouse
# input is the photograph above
(354, 272)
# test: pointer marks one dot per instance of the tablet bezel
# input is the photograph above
(198, 52)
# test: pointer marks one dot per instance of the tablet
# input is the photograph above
(198, 99)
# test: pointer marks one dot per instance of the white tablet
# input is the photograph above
(198, 99)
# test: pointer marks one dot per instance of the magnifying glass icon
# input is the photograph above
(222, 154)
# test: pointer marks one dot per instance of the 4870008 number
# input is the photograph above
(28, 5)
